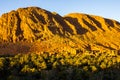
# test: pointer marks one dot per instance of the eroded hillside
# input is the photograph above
(40, 30)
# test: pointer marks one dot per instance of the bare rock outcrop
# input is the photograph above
(72, 31)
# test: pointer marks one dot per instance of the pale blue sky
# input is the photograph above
(105, 8)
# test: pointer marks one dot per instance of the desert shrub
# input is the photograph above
(61, 66)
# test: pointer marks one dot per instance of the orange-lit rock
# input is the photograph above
(41, 30)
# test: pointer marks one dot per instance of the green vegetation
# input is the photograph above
(61, 66)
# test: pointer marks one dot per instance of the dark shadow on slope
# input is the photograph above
(109, 22)
(98, 24)
(93, 28)
(38, 16)
(55, 30)
(112, 24)
(118, 23)
(77, 25)
(19, 31)
(14, 48)
(110, 48)
(64, 25)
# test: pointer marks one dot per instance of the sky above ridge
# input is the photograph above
(105, 8)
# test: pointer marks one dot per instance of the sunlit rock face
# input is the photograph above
(72, 31)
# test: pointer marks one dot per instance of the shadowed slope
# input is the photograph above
(98, 30)
(30, 24)
(74, 31)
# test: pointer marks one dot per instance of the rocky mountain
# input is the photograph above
(30, 24)
(48, 31)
